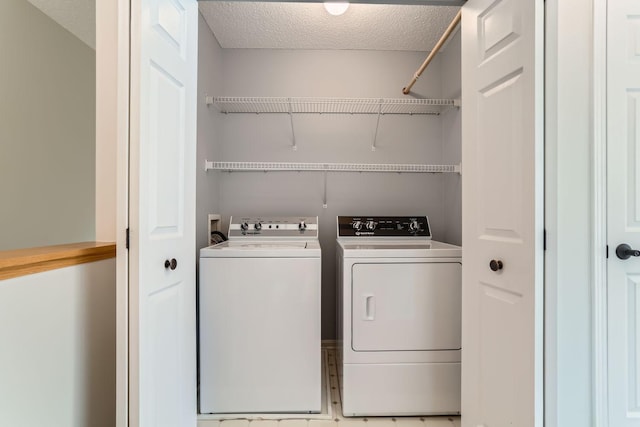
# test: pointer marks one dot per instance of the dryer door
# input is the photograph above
(406, 306)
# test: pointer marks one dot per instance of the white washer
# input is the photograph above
(259, 318)
(399, 318)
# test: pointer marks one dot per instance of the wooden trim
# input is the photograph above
(22, 262)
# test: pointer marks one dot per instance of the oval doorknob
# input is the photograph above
(495, 265)
(167, 263)
(174, 263)
(625, 251)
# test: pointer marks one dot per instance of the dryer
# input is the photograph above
(399, 320)
(259, 318)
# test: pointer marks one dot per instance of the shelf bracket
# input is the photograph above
(324, 197)
(375, 135)
(294, 147)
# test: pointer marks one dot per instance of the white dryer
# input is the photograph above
(259, 318)
(399, 318)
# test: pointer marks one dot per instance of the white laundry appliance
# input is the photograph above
(259, 318)
(399, 323)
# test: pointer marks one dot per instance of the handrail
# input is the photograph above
(21, 262)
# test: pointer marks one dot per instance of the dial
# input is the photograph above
(302, 225)
(258, 226)
(357, 225)
(244, 226)
(371, 225)
(414, 226)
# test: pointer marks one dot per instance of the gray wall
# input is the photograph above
(452, 141)
(47, 131)
(208, 132)
(328, 138)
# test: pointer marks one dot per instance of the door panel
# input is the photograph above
(623, 194)
(499, 25)
(406, 306)
(633, 177)
(502, 216)
(499, 127)
(162, 338)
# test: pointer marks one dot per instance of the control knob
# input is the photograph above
(414, 226)
(302, 226)
(258, 226)
(244, 226)
(371, 225)
(357, 225)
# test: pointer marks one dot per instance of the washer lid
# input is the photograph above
(257, 248)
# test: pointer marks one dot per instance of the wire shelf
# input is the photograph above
(261, 105)
(330, 167)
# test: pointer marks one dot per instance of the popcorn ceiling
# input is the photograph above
(309, 26)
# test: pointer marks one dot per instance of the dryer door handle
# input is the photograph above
(369, 307)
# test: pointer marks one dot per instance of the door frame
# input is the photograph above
(112, 94)
(115, 18)
(575, 214)
(599, 250)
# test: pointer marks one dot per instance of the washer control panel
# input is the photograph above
(273, 227)
(384, 226)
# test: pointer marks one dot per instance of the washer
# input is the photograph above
(399, 318)
(259, 318)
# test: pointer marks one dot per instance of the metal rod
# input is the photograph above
(293, 133)
(433, 53)
(324, 197)
(375, 136)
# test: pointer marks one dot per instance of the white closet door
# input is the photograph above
(623, 156)
(162, 341)
(502, 185)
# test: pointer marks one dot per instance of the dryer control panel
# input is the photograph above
(384, 226)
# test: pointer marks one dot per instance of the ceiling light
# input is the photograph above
(336, 7)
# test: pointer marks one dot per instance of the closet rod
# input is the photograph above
(433, 53)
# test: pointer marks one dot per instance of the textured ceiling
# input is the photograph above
(76, 16)
(309, 26)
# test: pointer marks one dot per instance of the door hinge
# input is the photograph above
(127, 238)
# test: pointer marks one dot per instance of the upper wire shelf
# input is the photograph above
(333, 105)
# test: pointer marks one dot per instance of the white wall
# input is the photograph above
(47, 131)
(330, 138)
(57, 363)
(452, 140)
(568, 181)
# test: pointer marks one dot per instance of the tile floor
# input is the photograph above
(336, 420)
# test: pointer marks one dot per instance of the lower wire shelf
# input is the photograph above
(329, 167)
